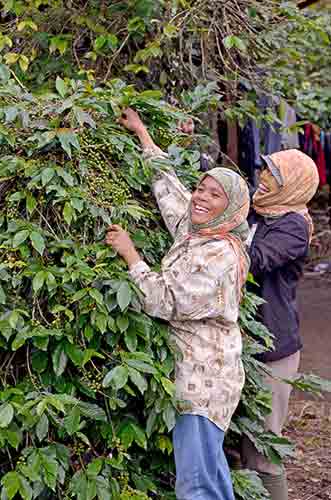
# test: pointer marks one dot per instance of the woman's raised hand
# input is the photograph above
(120, 240)
(132, 121)
(187, 126)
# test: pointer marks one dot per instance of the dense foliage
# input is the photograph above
(87, 391)
(247, 46)
(86, 386)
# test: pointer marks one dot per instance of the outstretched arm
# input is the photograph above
(172, 197)
(209, 290)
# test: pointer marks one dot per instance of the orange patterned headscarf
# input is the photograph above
(300, 181)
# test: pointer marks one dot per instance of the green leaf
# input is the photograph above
(136, 68)
(164, 444)
(25, 489)
(23, 62)
(38, 242)
(126, 434)
(42, 427)
(41, 343)
(138, 379)
(82, 117)
(131, 339)
(91, 489)
(91, 353)
(31, 203)
(94, 468)
(151, 420)
(78, 484)
(96, 295)
(66, 176)
(169, 417)
(5, 330)
(11, 483)
(141, 366)
(60, 360)
(50, 470)
(92, 411)
(67, 139)
(124, 295)
(20, 237)
(101, 322)
(79, 295)
(13, 319)
(234, 41)
(122, 323)
(72, 421)
(61, 87)
(68, 213)
(47, 175)
(6, 414)
(78, 204)
(4, 73)
(46, 138)
(2, 296)
(103, 490)
(58, 43)
(39, 361)
(139, 436)
(38, 281)
(168, 386)
(99, 42)
(136, 25)
(51, 283)
(14, 437)
(74, 353)
(117, 377)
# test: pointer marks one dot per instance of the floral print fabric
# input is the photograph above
(196, 292)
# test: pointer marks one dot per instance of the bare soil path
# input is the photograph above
(309, 422)
(315, 314)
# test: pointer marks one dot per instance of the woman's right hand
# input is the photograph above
(132, 121)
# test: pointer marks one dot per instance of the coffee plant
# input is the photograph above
(87, 392)
(86, 378)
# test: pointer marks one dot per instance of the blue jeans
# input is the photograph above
(202, 471)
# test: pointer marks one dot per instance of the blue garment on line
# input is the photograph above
(202, 471)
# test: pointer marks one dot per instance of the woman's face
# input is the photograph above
(208, 201)
(267, 183)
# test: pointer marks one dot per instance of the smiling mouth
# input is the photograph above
(200, 210)
(263, 188)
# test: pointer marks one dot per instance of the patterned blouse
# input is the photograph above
(196, 292)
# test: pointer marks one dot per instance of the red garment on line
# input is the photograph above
(316, 152)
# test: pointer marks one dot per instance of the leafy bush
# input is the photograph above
(87, 395)
(86, 386)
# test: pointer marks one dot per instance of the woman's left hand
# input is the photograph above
(187, 126)
(120, 240)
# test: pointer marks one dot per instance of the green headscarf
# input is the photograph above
(234, 218)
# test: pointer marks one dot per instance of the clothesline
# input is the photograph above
(317, 144)
(244, 145)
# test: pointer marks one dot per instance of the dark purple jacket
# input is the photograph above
(278, 252)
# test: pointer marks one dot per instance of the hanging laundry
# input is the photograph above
(289, 140)
(314, 148)
(327, 151)
(270, 133)
(249, 151)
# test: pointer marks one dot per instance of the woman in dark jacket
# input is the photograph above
(281, 230)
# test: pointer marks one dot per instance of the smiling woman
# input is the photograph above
(209, 200)
(198, 291)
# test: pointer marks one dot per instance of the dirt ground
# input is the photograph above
(315, 316)
(309, 422)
